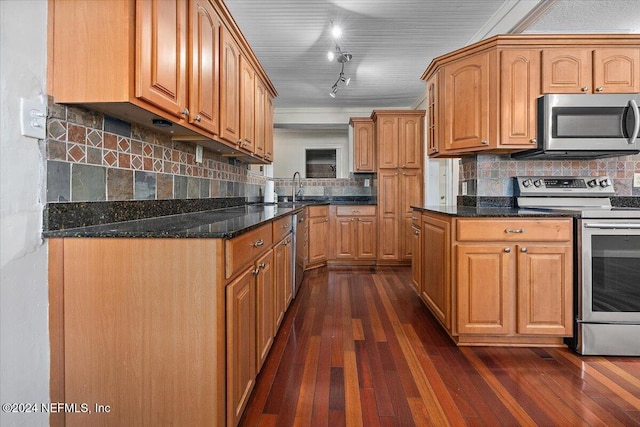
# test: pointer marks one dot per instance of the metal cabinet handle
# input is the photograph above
(286, 225)
(258, 243)
(533, 140)
(404, 166)
(262, 265)
(198, 119)
(514, 230)
(600, 89)
(255, 272)
(507, 250)
(326, 220)
(416, 232)
(523, 250)
(585, 88)
(355, 212)
(185, 112)
(484, 142)
(414, 218)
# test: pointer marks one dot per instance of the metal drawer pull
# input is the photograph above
(262, 265)
(258, 243)
(507, 250)
(285, 225)
(613, 225)
(523, 249)
(514, 230)
(414, 218)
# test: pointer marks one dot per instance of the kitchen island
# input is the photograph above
(496, 275)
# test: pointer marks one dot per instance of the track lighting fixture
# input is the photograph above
(342, 57)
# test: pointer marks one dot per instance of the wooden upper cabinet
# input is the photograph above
(161, 66)
(433, 117)
(247, 104)
(363, 144)
(268, 129)
(519, 89)
(466, 109)
(616, 70)
(204, 81)
(566, 70)
(399, 138)
(260, 117)
(387, 136)
(229, 88)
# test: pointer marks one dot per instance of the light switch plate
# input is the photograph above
(636, 179)
(33, 118)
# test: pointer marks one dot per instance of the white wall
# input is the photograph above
(24, 338)
(290, 147)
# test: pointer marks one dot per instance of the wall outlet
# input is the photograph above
(636, 179)
(199, 151)
(366, 182)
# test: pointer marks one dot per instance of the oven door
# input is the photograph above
(610, 291)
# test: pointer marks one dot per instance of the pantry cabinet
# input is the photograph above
(499, 281)
(482, 98)
(182, 61)
(399, 137)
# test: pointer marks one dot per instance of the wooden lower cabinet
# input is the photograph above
(353, 234)
(499, 281)
(266, 294)
(241, 343)
(283, 279)
(318, 219)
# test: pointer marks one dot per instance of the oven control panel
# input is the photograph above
(570, 186)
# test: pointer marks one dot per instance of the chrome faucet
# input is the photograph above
(293, 186)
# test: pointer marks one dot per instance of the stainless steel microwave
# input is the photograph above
(586, 127)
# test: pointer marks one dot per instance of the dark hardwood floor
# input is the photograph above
(358, 348)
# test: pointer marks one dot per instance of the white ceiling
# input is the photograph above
(393, 41)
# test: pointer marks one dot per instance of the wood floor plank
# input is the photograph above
(358, 347)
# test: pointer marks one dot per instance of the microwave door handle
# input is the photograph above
(636, 115)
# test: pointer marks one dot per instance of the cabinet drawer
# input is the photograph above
(281, 227)
(532, 230)
(317, 211)
(366, 210)
(240, 251)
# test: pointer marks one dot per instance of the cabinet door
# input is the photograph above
(363, 147)
(566, 70)
(416, 261)
(241, 343)
(466, 115)
(519, 90)
(346, 237)
(265, 308)
(388, 233)
(260, 116)
(410, 194)
(247, 104)
(318, 229)
(435, 260)
(410, 142)
(616, 70)
(268, 129)
(387, 136)
(204, 80)
(280, 273)
(229, 87)
(433, 119)
(485, 278)
(161, 61)
(367, 238)
(545, 290)
(287, 283)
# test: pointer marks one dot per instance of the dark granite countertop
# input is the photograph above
(219, 223)
(475, 212)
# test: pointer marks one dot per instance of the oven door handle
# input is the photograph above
(609, 226)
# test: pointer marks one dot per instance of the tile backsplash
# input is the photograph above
(94, 157)
(491, 175)
(316, 187)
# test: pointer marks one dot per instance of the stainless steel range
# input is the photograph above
(607, 248)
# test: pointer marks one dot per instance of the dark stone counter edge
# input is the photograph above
(90, 219)
(492, 211)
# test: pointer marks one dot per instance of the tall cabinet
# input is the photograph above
(399, 137)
